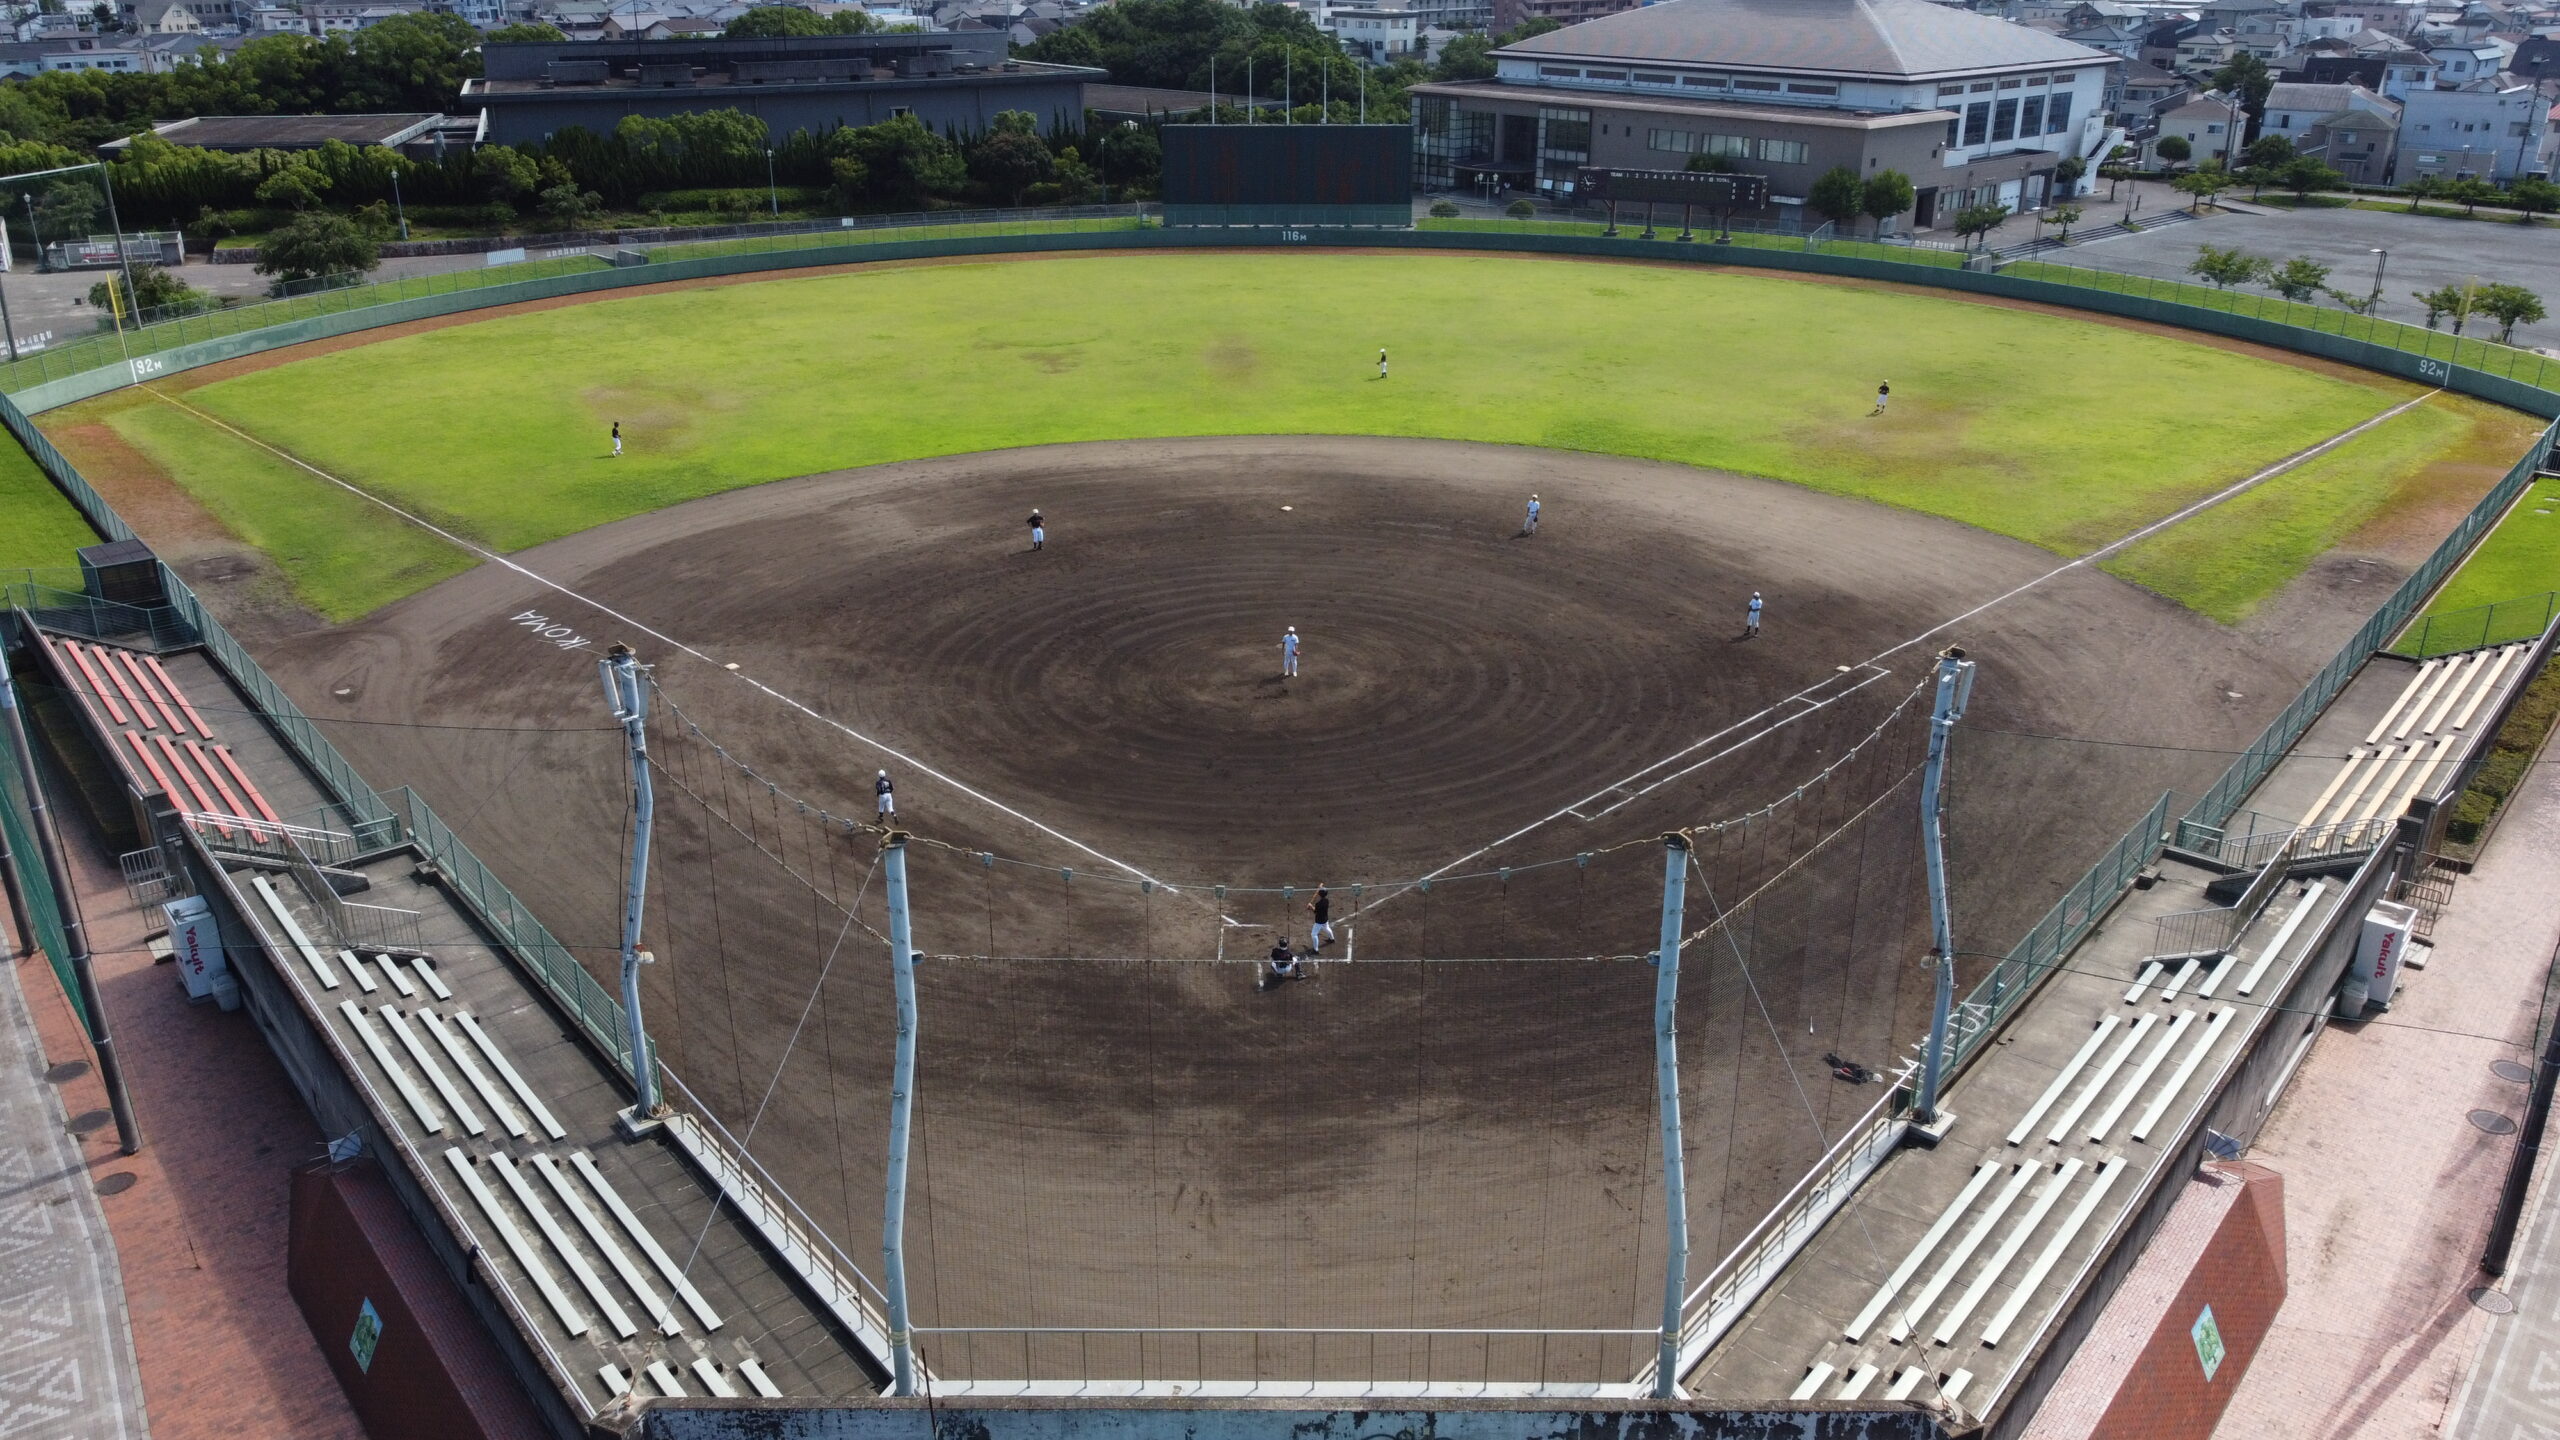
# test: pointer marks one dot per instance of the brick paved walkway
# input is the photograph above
(2388, 1186)
(200, 1234)
(66, 1359)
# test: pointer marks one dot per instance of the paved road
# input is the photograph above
(2425, 252)
(59, 302)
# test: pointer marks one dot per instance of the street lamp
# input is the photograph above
(2375, 302)
(772, 193)
(398, 206)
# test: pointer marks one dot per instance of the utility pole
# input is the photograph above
(1666, 1068)
(75, 933)
(1955, 687)
(630, 705)
(902, 1098)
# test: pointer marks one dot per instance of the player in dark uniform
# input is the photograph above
(1320, 932)
(1039, 530)
(1282, 967)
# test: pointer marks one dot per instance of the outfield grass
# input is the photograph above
(38, 527)
(2230, 559)
(343, 554)
(2060, 432)
(2518, 562)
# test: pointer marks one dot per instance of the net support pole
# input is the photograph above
(9, 863)
(1955, 686)
(621, 672)
(75, 932)
(1666, 1066)
(902, 1096)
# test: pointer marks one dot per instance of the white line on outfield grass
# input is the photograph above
(2230, 492)
(644, 628)
(2102, 552)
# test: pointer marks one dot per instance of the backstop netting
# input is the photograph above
(1434, 1158)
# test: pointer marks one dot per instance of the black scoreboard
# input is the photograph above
(1288, 175)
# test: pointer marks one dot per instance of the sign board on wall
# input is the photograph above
(368, 1336)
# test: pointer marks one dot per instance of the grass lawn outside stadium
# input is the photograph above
(2062, 432)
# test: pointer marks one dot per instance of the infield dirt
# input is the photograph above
(1455, 1129)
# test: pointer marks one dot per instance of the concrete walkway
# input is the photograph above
(2389, 1182)
(66, 1355)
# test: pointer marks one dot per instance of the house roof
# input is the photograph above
(2325, 99)
(2355, 120)
(1683, 106)
(2144, 73)
(1900, 39)
(286, 132)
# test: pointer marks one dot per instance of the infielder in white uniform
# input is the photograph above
(1289, 652)
(1751, 618)
(1530, 526)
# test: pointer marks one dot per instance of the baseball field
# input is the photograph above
(816, 536)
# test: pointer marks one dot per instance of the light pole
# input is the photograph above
(772, 192)
(2380, 257)
(398, 206)
(35, 232)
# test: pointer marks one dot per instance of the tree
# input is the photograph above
(2173, 149)
(775, 22)
(524, 34)
(2226, 268)
(2067, 173)
(2273, 152)
(1520, 210)
(566, 207)
(1444, 210)
(315, 244)
(2469, 194)
(2510, 306)
(2306, 173)
(1836, 195)
(1886, 194)
(68, 207)
(295, 187)
(2421, 187)
(899, 160)
(2533, 197)
(2204, 182)
(159, 292)
(2246, 76)
(1974, 220)
(2297, 279)
(1011, 159)
(2453, 300)
(416, 60)
(2066, 216)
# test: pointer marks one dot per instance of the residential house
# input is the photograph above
(2358, 144)
(2142, 93)
(2492, 128)
(174, 17)
(339, 17)
(1973, 108)
(2210, 123)
(1379, 36)
(2292, 109)
(2117, 37)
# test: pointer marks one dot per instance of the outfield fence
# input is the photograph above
(2453, 631)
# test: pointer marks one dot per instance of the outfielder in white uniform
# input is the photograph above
(1289, 652)
(1530, 527)
(1751, 617)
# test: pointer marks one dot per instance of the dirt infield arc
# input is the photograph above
(1396, 1144)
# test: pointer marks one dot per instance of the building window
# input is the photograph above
(1784, 152)
(1564, 145)
(1796, 89)
(2004, 121)
(1704, 82)
(1647, 78)
(1560, 72)
(1447, 137)
(1982, 88)
(2010, 84)
(2031, 115)
(1604, 74)
(2057, 113)
(1738, 146)
(1953, 124)
(1769, 86)
(1949, 92)
(1977, 122)
(1678, 141)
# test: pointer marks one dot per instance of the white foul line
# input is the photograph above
(1001, 808)
(652, 632)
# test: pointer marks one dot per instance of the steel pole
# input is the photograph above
(630, 706)
(9, 864)
(132, 297)
(1666, 1067)
(75, 933)
(1954, 681)
(902, 1094)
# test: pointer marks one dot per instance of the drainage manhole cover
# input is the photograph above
(118, 1183)
(2493, 1122)
(67, 1071)
(2493, 1301)
(91, 1121)
(2510, 1070)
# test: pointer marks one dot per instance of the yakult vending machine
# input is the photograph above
(195, 942)
(2382, 948)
